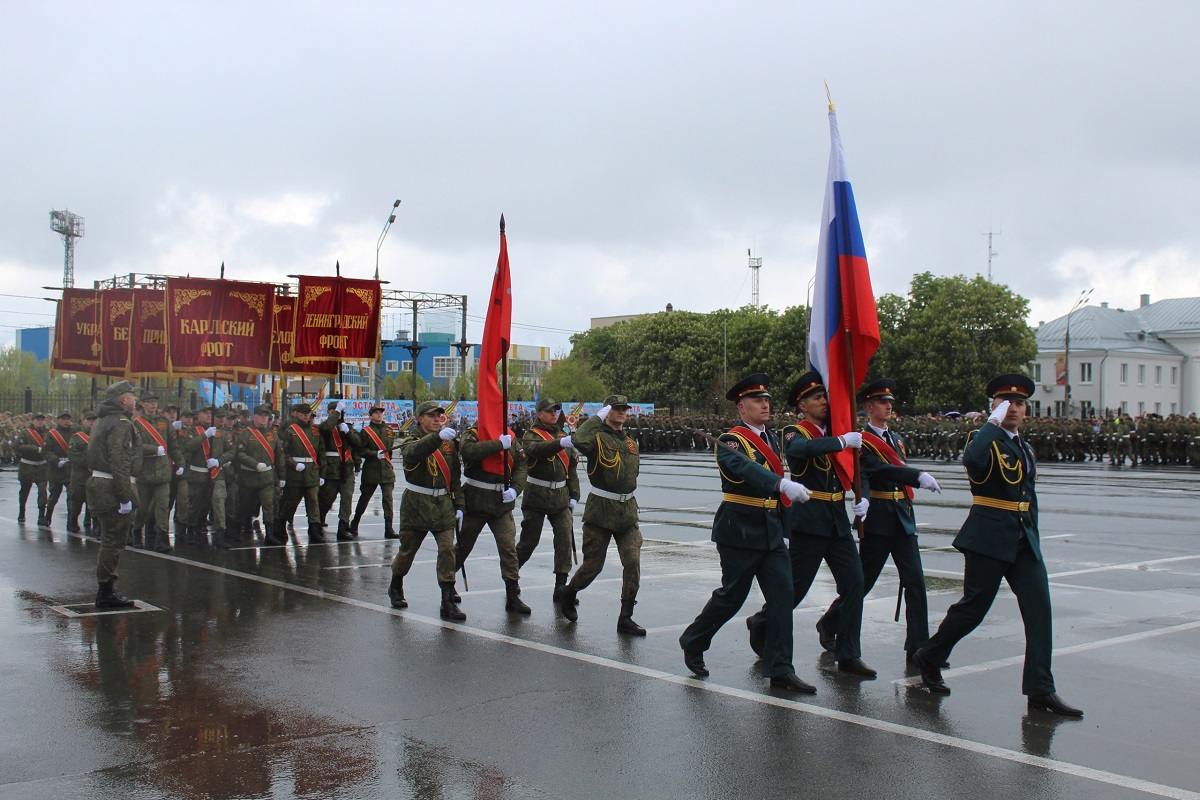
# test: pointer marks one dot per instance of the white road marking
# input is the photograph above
(1130, 565)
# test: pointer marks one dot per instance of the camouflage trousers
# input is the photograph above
(23, 496)
(152, 505)
(532, 523)
(335, 489)
(410, 543)
(76, 496)
(503, 528)
(595, 548)
(52, 494)
(114, 533)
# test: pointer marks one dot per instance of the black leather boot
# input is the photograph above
(107, 598)
(218, 539)
(625, 623)
(388, 531)
(396, 592)
(73, 525)
(161, 539)
(343, 531)
(450, 610)
(314, 535)
(560, 580)
(567, 603)
(513, 602)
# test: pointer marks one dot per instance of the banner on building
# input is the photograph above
(337, 318)
(1060, 369)
(283, 344)
(218, 325)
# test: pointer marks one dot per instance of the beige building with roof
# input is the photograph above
(1141, 361)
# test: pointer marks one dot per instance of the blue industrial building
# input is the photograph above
(39, 341)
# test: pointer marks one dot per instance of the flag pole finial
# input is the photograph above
(501, 223)
(828, 96)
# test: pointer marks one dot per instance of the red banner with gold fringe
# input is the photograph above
(337, 318)
(283, 356)
(116, 318)
(218, 325)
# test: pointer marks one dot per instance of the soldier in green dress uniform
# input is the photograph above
(375, 450)
(114, 456)
(77, 491)
(31, 472)
(551, 491)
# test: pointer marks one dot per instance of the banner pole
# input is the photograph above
(858, 524)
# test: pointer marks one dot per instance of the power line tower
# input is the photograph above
(70, 227)
(991, 252)
(755, 265)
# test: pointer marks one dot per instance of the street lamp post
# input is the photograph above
(1083, 298)
(378, 244)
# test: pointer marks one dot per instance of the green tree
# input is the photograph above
(572, 378)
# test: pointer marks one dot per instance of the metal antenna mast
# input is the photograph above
(755, 265)
(70, 227)
(991, 252)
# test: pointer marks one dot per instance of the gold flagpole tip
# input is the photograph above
(828, 96)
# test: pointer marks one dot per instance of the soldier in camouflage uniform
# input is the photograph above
(257, 453)
(77, 492)
(432, 503)
(489, 501)
(32, 470)
(611, 510)
(551, 491)
(303, 458)
(154, 478)
(114, 458)
(341, 444)
(227, 430)
(375, 451)
(55, 451)
(201, 451)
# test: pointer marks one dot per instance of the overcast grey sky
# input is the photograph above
(636, 149)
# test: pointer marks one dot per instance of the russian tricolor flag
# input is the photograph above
(843, 330)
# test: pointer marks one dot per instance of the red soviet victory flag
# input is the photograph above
(493, 406)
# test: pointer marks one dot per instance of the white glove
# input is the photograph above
(261, 467)
(344, 428)
(162, 451)
(212, 462)
(177, 425)
(852, 439)
(125, 507)
(179, 471)
(508, 495)
(794, 491)
(338, 405)
(603, 413)
(282, 484)
(927, 481)
(62, 462)
(566, 442)
(999, 413)
(300, 467)
(381, 454)
(571, 503)
(860, 508)
(458, 515)
(322, 481)
(448, 433)
(505, 441)
(210, 432)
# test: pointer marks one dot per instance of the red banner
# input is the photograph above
(338, 318)
(148, 333)
(77, 339)
(218, 325)
(116, 315)
(283, 343)
(493, 412)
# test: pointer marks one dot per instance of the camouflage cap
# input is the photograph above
(37, 415)
(301, 408)
(430, 406)
(119, 388)
(616, 401)
(89, 415)
(262, 409)
(62, 414)
(547, 404)
(150, 397)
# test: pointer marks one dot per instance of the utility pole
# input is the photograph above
(991, 252)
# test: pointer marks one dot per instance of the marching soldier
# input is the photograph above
(203, 466)
(184, 430)
(300, 443)
(114, 458)
(432, 503)
(490, 502)
(32, 470)
(375, 450)
(58, 465)
(748, 531)
(77, 491)
(1000, 541)
(223, 452)
(819, 529)
(341, 444)
(891, 527)
(257, 454)
(551, 491)
(154, 478)
(227, 432)
(612, 510)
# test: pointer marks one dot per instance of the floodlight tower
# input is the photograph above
(755, 265)
(70, 227)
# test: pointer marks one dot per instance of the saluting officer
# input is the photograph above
(375, 450)
(819, 530)
(891, 527)
(748, 530)
(432, 503)
(1000, 541)
(551, 491)
(611, 512)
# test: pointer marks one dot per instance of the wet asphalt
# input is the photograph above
(283, 672)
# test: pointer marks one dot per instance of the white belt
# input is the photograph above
(546, 484)
(495, 487)
(333, 453)
(620, 498)
(423, 490)
(32, 463)
(108, 475)
(194, 468)
(305, 460)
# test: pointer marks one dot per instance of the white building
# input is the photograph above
(1139, 362)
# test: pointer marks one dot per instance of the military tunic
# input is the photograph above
(551, 484)
(300, 444)
(114, 458)
(376, 472)
(154, 479)
(257, 485)
(32, 469)
(431, 497)
(77, 491)
(484, 504)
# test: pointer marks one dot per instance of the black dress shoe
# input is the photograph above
(908, 657)
(1054, 704)
(758, 637)
(856, 666)
(826, 637)
(694, 660)
(792, 684)
(931, 675)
